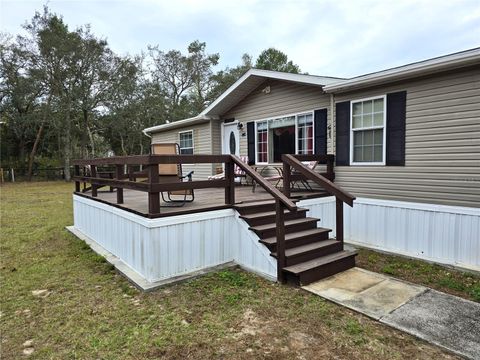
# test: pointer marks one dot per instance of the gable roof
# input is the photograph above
(421, 68)
(252, 79)
(255, 77)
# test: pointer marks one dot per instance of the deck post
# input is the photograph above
(286, 179)
(280, 232)
(339, 219)
(77, 173)
(153, 197)
(93, 174)
(118, 176)
(230, 186)
(330, 173)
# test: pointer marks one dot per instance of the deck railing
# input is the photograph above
(342, 196)
(121, 178)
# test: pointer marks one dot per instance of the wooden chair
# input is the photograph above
(172, 173)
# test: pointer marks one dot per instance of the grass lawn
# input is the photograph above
(88, 311)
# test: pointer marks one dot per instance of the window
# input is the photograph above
(292, 134)
(186, 142)
(368, 131)
(305, 134)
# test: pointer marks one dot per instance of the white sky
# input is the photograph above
(337, 38)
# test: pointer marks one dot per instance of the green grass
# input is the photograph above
(91, 312)
(456, 282)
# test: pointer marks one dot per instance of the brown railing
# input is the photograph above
(342, 196)
(122, 179)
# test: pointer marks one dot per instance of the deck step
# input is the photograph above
(311, 251)
(268, 230)
(266, 217)
(298, 238)
(321, 267)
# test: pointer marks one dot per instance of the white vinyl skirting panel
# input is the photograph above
(444, 234)
(163, 248)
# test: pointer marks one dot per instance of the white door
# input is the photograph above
(231, 137)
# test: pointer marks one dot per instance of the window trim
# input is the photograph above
(308, 112)
(193, 141)
(384, 127)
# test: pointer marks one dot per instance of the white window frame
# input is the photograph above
(193, 141)
(296, 115)
(384, 127)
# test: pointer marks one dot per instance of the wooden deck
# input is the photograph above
(205, 199)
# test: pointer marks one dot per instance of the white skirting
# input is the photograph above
(164, 248)
(443, 234)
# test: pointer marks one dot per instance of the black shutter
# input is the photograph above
(320, 126)
(395, 137)
(342, 127)
(251, 142)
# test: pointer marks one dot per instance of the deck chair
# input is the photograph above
(172, 173)
(278, 178)
(237, 172)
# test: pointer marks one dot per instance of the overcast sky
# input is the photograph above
(336, 38)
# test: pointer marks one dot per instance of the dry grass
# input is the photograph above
(455, 282)
(90, 312)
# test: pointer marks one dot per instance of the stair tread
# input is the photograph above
(254, 203)
(298, 234)
(287, 223)
(308, 247)
(267, 213)
(322, 260)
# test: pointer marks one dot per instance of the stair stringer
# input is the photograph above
(250, 254)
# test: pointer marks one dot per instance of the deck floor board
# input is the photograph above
(205, 199)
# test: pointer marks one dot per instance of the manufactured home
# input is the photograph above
(401, 145)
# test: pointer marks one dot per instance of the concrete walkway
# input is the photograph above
(444, 320)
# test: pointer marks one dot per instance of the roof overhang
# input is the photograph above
(422, 68)
(199, 119)
(252, 79)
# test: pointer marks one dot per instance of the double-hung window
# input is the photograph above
(368, 131)
(186, 142)
(291, 134)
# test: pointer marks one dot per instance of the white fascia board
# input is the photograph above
(179, 123)
(269, 74)
(457, 60)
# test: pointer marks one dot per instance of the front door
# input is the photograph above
(231, 144)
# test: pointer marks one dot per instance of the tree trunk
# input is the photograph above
(92, 143)
(37, 138)
(34, 151)
(84, 137)
(67, 144)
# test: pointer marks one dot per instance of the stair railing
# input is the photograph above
(281, 202)
(342, 196)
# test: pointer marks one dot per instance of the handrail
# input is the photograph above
(329, 186)
(277, 194)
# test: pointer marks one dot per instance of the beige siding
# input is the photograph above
(284, 99)
(216, 142)
(442, 150)
(201, 142)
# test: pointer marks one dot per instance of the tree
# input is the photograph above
(183, 77)
(225, 78)
(273, 59)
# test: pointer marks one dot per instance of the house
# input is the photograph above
(406, 143)
(406, 140)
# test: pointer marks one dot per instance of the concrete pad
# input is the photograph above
(445, 320)
(364, 291)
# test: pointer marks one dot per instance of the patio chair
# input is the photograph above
(237, 172)
(278, 178)
(172, 173)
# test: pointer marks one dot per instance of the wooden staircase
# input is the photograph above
(310, 254)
